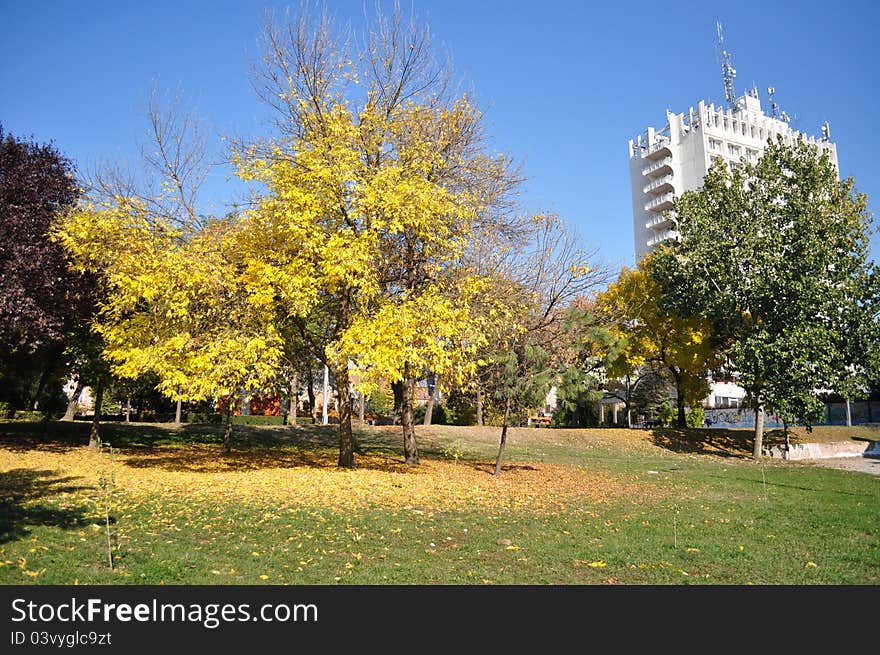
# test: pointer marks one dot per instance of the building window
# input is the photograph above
(733, 150)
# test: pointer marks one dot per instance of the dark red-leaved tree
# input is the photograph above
(38, 293)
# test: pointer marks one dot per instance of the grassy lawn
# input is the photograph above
(572, 507)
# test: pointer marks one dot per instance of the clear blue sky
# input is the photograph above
(564, 84)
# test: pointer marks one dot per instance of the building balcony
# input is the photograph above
(661, 203)
(658, 149)
(662, 167)
(663, 236)
(660, 185)
(662, 221)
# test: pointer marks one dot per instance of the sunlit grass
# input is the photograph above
(571, 507)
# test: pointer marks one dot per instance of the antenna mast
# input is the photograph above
(774, 108)
(728, 72)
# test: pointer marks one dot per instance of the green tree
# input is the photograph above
(775, 257)
(526, 376)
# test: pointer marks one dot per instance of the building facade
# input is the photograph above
(666, 162)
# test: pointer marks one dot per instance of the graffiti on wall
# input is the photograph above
(860, 412)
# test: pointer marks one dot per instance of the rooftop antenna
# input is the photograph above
(774, 108)
(728, 72)
(826, 131)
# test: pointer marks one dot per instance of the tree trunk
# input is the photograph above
(626, 403)
(848, 414)
(73, 405)
(96, 419)
(325, 404)
(310, 389)
(178, 412)
(44, 378)
(227, 428)
(429, 408)
(758, 448)
(679, 400)
(479, 406)
(397, 390)
(787, 441)
(408, 386)
(346, 440)
(128, 409)
(500, 459)
(294, 398)
(361, 401)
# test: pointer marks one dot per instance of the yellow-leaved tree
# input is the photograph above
(369, 198)
(175, 307)
(651, 333)
(174, 301)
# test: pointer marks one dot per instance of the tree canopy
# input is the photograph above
(653, 333)
(40, 299)
(775, 256)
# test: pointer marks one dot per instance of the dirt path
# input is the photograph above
(863, 464)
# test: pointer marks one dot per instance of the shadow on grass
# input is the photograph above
(715, 441)
(718, 441)
(20, 489)
(489, 467)
(198, 447)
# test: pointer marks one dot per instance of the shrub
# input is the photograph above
(381, 403)
(666, 415)
(256, 419)
(438, 414)
(695, 417)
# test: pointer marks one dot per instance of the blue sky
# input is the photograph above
(564, 84)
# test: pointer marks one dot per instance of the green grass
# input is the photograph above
(698, 515)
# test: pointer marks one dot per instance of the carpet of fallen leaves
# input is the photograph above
(290, 477)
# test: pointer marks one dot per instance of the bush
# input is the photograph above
(256, 419)
(22, 415)
(695, 417)
(155, 417)
(380, 403)
(462, 415)
(438, 414)
(666, 415)
(203, 417)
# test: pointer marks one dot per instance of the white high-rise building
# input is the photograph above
(667, 162)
